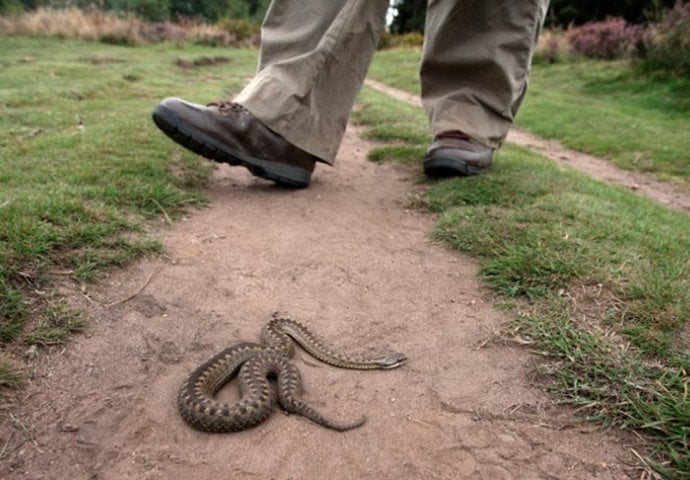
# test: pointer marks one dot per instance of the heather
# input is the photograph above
(607, 40)
(662, 46)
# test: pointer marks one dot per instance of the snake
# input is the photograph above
(255, 365)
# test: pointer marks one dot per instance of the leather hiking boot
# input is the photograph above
(456, 154)
(228, 133)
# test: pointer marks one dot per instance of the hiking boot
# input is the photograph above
(228, 133)
(456, 154)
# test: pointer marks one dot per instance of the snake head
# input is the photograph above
(392, 360)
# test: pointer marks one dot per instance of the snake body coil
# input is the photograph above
(253, 363)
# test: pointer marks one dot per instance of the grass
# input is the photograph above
(85, 176)
(10, 377)
(109, 27)
(635, 120)
(603, 108)
(55, 326)
(596, 276)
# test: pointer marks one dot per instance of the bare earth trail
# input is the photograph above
(346, 258)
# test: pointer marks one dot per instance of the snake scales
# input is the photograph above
(253, 364)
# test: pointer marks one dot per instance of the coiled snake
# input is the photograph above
(255, 363)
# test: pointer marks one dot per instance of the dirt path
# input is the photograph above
(669, 195)
(346, 258)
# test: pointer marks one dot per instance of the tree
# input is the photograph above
(257, 9)
(408, 16)
(214, 10)
(8, 7)
(567, 12)
(151, 10)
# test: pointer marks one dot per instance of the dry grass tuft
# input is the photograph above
(105, 27)
(552, 46)
(73, 23)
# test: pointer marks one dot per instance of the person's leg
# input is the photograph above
(474, 73)
(314, 57)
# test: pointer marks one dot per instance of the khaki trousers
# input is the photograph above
(315, 55)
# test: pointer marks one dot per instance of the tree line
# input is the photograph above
(155, 10)
(408, 15)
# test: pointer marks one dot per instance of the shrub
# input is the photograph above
(404, 40)
(149, 10)
(551, 48)
(75, 23)
(10, 7)
(384, 40)
(166, 31)
(109, 28)
(607, 40)
(205, 34)
(241, 30)
(668, 47)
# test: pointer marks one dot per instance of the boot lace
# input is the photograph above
(227, 105)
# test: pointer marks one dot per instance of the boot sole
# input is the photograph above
(200, 143)
(450, 167)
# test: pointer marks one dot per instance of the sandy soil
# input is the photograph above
(669, 195)
(346, 258)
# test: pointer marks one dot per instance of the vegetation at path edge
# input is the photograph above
(596, 277)
(85, 176)
(638, 122)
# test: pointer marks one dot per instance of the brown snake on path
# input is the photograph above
(253, 364)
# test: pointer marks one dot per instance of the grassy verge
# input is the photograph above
(597, 278)
(602, 108)
(83, 170)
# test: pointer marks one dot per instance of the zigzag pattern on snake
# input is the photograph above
(253, 364)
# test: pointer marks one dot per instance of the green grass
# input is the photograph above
(55, 326)
(85, 176)
(9, 374)
(597, 277)
(604, 108)
(397, 68)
